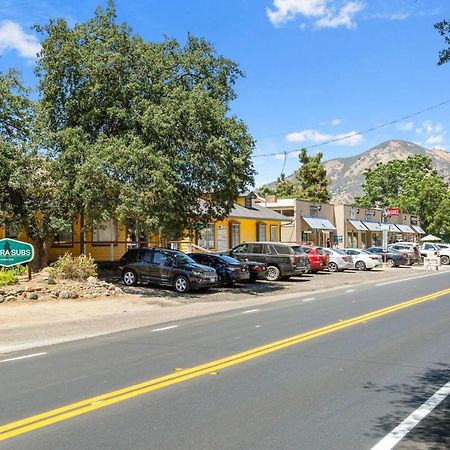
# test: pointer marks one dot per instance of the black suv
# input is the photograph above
(165, 267)
(281, 260)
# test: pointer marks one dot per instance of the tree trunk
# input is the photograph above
(40, 260)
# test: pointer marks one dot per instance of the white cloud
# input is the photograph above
(12, 37)
(351, 138)
(325, 13)
(335, 122)
(435, 139)
(344, 17)
(391, 16)
(407, 126)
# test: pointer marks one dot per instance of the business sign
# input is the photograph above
(14, 252)
(392, 212)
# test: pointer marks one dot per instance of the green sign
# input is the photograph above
(14, 252)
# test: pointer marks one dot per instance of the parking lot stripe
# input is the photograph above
(308, 299)
(250, 311)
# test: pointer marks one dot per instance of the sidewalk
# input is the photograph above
(25, 325)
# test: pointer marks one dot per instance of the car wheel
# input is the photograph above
(252, 278)
(333, 267)
(445, 260)
(391, 262)
(273, 273)
(129, 277)
(360, 265)
(285, 278)
(181, 284)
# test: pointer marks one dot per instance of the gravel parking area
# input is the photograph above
(303, 284)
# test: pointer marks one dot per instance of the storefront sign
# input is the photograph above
(14, 252)
(392, 212)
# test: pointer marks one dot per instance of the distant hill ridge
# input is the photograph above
(347, 174)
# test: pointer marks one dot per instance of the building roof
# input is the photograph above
(318, 223)
(257, 212)
(281, 203)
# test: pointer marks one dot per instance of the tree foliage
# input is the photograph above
(443, 28)
(141, 131)
(309, 182)
(411, 185)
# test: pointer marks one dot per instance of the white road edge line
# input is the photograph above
(308, 299)
(250, 311)
(23, 357)
(399, 432)
(350, 290)
(407, 279)
(165, 328)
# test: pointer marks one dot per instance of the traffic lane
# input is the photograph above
(105, 364)
(338, 391)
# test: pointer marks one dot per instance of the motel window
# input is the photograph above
(261, 232)
(206, 237)
(274, 233)
(104, 233)
(11, 230)
(235, 234)
(64, 238)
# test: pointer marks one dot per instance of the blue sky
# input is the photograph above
(315, 69)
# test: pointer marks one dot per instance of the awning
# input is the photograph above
(393, 228)
(404, 228)
(372, 226)
(418, 229)
(316, 223)
(357, 224)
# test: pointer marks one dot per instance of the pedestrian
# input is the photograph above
(328, 243)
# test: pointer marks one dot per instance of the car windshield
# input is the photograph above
(181, 258)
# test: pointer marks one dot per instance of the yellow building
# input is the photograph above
(248, 221)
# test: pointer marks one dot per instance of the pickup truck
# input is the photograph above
(429, 249)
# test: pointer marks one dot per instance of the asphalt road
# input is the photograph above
(345, 386)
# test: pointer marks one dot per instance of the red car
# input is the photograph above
(318, 258)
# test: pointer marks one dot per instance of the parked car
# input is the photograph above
(444, 252)
(428, 249)
(410, 248)
(318, 258)
(303, 256)
(338, 260)
(229, 270)
(258, 271)
(392, 257)
(165, 267)
(362, 260)
(280, 259)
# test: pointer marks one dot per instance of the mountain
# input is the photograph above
(347, 174)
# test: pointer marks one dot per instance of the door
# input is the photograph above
(162, 267)
(257, 252)
(144, 263)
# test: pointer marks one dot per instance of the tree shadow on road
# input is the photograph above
(434, 431)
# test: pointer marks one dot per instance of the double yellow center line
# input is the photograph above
(101, 401)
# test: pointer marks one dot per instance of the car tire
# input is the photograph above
(332, 267)
(129, 277)
(360, 265)
(252, 279)
(390, 262)
(445, 260)
(181, 284)
(285, 278)
(273, 273)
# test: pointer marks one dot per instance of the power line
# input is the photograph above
(358, 133)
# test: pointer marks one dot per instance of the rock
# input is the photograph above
(20, 290)
(10, 298)
(32, 296)
(117, 290)
(51, 280)
(73, 295)
(64, 295)
(92, 280)
(30, 289)
(2, 299)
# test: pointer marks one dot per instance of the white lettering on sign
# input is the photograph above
(23, 252)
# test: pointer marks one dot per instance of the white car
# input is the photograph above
(362, 260)
(444, 252)
(338, 260)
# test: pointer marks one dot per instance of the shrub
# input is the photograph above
(78, 268)
(11, 275)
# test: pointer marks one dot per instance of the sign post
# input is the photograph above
(13, 253)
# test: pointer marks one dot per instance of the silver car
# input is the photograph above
(338, 260)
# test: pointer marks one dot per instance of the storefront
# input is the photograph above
(318, 231)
